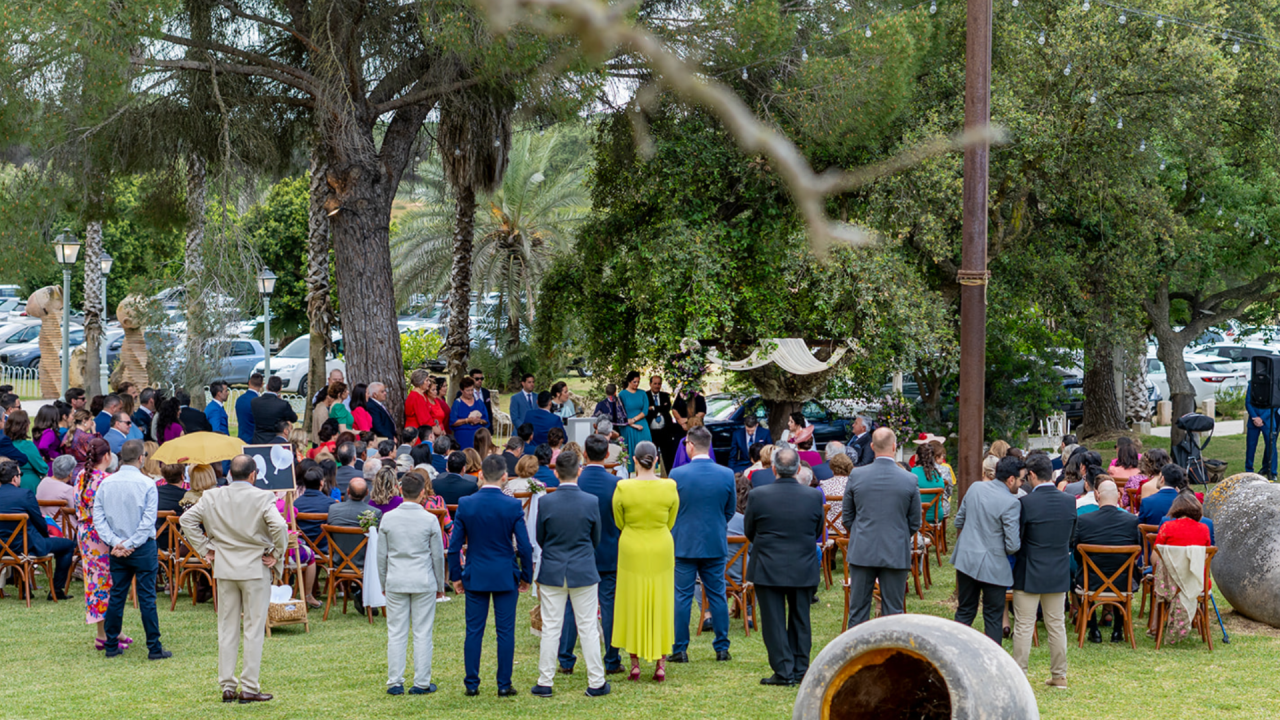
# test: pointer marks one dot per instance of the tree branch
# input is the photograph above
(306, 82)
(306, 41)
(250, 70)
(416, 96)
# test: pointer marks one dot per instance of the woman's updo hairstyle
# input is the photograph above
(646, 455)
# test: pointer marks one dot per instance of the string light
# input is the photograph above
(1120, 124)
(804, 56)
(1067, 70)
(1093, 98)
(1159, 22)
(1142, 147)
(1085, 6)
(1041, 37)
(1123, 18)
(933, 8)
(744, 73)
(1235, 48)
(868, 33)
(1162, 163)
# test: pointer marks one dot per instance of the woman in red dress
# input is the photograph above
(417, 411)
(438, 408)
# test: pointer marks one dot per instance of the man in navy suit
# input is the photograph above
(17, 501)
(383, 425)
(525, 433)
(569, 530)
(215, 411)
(541, 418)
(523, 401)
(146, 410)
(244, 408)
(544, 474)
(740, 448)
(708, 499)
(313, 501)
(487, 523)
(452, 486)
(110, 406)
(596, 480)
(440, 450)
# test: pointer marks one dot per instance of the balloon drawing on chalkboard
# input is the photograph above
(281, 457)
(262, 465)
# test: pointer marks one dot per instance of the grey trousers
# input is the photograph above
(403, 610)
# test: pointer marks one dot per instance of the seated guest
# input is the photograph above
(512, 454)
(474, 462)
(1186, 524)
(929, 476)
(604, 426)
(452, 485)
(753, 453)
(347, 514)
(347, 470)
(420, 457)
(1111, 526)
(58, 487)
(764, 475)
(408, 438)
(734, 527)
(329, 471)
(387, 452)
(555, 438)
(17, 501)
(807, 453)
(525, 433)
(841, 465)
(545, 474)
(312, 500)
(1172, 480)
(822, 471)
(518, 481)
(1148, 469)
(1088, 502)
(328, 431)
(385, 495)
(440, 450)
(202, 478)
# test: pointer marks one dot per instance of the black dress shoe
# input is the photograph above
(706, 625)
(395, 690)
(472, 692)
(565, 670)
(614, 670)
(230, 696)
(1117, 634)
(775, 679)
(680, 657)
(723, 656)
(58, 594)
(162, 655)
(246, 698)
(797, 679)
(508, 692)
(1095, 635)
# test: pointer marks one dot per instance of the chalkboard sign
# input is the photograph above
(275, 466)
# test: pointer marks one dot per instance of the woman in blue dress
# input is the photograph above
(467, 415)
(636, 405)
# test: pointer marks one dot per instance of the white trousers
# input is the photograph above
(584, 616)
(403, 609)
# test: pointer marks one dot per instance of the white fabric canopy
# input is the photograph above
(790, 354)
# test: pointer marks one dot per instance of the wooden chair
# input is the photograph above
(167, 521)
(1115, 589)
(17, 555)
(741, 591)
(842, 543)
(346, 571)
(1148, 585)
(920, 564)
(324, 557)
(936, 530)
(66, 518)
(1135, 498)
(188, 565)
(835, 528)
(1201, 620)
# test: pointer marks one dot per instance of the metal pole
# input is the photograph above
(973, 257)
(105, 373)
(66, 329)
(266, 336)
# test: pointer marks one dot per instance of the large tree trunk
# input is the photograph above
(197, 306)
(458, 344)
(94, 309)
(1103, 416)
(319, 309)
(786, 393)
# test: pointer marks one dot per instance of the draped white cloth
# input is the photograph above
(790, 354)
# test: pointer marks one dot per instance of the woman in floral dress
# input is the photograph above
(93, 553)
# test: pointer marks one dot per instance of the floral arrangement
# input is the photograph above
(685, 369)
(624, 457)
(897, 414)
(536, 486)
(368, 520)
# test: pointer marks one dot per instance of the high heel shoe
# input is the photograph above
(635, 668)
(660, 673)
(101, 644)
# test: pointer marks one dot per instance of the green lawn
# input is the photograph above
(338, 670)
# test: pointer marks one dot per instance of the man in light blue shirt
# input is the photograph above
(124, 514)
(118, 432)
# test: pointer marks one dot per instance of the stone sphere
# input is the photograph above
(1246, 522)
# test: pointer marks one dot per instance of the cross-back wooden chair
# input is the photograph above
(920, 564)
(1115, 589)
(188, 565)
(1148, 582)
(835, 528)
(323, 557)
(1201, 620)
(931, 502)
(524, 497)
(1135, 498)
(15, 552)
(66, 518)
(166, 527)
(740, 590)
(877, 608)
(346, 571)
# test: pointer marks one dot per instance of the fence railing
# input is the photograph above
(25, 380)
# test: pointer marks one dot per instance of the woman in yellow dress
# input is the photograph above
(644, 509)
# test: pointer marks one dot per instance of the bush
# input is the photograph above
(417, 347)
(1229, 401)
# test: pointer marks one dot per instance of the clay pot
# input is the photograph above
(914, 667)
(1245, 510)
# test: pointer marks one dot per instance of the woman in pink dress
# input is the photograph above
(359, 396)
(93, 553)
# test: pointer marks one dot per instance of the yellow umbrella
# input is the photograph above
(202, 448)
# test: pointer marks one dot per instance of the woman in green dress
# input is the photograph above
(636, 405)
(644, 509)
(18, 428)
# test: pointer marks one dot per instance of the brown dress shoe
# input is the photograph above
(246, 697)
(230, 696)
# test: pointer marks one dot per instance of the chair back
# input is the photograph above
(843, 543)
(1090, 567)
(184, 553)
(525, 498)
(12, 553)
(63, 515)
(1209, 552)
(1148, 534)
(345, 564)
(166, 526)
(835, 526)
(453, 509)
(739, 547)
(440, 514)
(930, 498)
(323, 558)
(1135, 498)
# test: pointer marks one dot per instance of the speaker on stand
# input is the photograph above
(1264, 394)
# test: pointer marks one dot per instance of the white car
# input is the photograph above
(1240, 355)
(293, 361)
(1208, 374)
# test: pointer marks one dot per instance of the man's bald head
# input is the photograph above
(1107, 493)
(243, 467)
(883, 442)
(358, 489)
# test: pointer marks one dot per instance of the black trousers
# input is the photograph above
(862, 582)
(784, 623)
(968, 591)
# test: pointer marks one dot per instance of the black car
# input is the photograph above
(725, 414)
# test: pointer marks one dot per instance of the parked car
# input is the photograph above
(18, 333)
(28, 354)
(293, 361)
(1240, 356)
(1208, 374)
(12, 308)
(725, 413)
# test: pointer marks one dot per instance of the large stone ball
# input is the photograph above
(1246, 522)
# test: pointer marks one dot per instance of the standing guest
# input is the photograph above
(740, 446)
(336, 396)
(335, 376)
(561, 405)
(44, 430)
(437, 407)
(659, 420)
(512, 454)
(468, 415)
(411, 570)
(119, 431)
(524, 401)
(477, 376)
(988, 532)
(841, 465)
(598, 482)
(881, 513)
(645, 509)
(244, 408)
(17, 500)
(452, 485)
(417, 412)
(636, 405)
(1111, 526)
(1042, 574)
(59, 486)
(783, 521)
(499, 566)
(124, 514)
(320, 416)
(568, 530)
(484, 443)
(216, 411)
(1172, 481)
(17, 427)
(380, 418)
(145, 412)
(1258, 424)
(192, 419)
(359, 412)
(110, 406)
(542, 419)
(93, 552)
(707, 500)
(269, 410)
(689, 404)
(611, 407)
(240, 531)
(385, 494)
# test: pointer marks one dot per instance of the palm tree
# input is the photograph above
(519, 228)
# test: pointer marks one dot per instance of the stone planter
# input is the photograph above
(914, 667)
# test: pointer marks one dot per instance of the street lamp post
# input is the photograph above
(66, 249)
(107, 262)
(266, 286)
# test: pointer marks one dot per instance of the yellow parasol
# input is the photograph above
(202, 448)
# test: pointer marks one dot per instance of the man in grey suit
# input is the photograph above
(347, 469)
(568, 531)
(881, 513)
(988, 517)
(411, 569)
(347, 514)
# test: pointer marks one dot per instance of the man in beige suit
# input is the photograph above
(411, 569)
(239, 530)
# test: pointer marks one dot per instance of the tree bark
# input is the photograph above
(458, 344)
(319, 309)
(94, 308)
(786, 393)
(197, 309)
(1102, 414)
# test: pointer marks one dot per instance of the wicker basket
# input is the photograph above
(293, 612)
